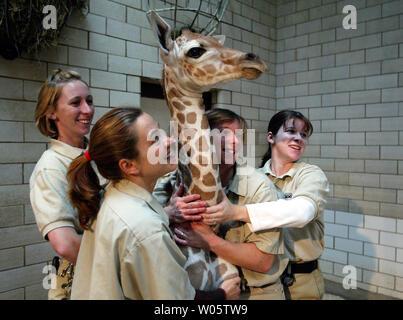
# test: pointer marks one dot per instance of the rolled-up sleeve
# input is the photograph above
(266, 241)
(313, 184)
(50, 203)
(260, 189)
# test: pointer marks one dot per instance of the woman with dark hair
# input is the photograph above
(63, 113)
(127, 250)
(257, 254)
(302, 189)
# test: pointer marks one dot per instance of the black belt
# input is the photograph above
(306, 267)
(246, 288)
(288, 278)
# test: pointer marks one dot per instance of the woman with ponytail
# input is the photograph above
(127, 250)
(302, 190)
(63, 113)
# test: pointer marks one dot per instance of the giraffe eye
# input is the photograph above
(195, 52)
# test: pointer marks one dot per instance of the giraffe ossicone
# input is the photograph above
(193, 64)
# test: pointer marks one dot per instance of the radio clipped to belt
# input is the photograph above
(288, 277)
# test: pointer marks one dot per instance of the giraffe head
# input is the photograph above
(201, 62)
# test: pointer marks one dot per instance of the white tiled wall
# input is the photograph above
(349, 83)
(372, 244)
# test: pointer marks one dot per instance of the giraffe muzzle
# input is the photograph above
(252, 66)
(251, 57)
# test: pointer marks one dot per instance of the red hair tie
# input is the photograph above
(87, 155)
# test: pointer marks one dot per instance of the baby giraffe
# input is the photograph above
(193, 64)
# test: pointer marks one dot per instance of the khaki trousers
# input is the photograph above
(308, 286)
(62, 278)
(272, 292)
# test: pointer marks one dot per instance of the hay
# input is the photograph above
(21, 28)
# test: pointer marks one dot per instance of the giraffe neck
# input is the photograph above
(199, 172)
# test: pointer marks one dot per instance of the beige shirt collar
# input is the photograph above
(65, 149)
(134, 190)
(290, 173)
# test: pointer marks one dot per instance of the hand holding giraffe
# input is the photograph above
(225, 211)
(183, 209)
(196, 235)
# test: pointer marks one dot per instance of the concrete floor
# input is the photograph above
(329, 296)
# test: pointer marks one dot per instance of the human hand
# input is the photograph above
(182, 209)
(221, 212)
(232, 288)
(195, 235)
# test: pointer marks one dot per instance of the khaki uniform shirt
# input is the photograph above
(247, 186)
(130, 252)
(308, 181)
(49, 187)
(164, 188)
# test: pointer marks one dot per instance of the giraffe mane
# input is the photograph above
(176, 33)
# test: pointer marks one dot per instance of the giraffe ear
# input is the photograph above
(161, 30)
(220, 38)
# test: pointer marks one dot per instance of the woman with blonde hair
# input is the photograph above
(127, 250)
(63, 113)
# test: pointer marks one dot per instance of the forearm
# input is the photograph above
(241, 213)
(295, 213)
(245, 255)
(75, 244)
(66, 242)
(71, 249)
